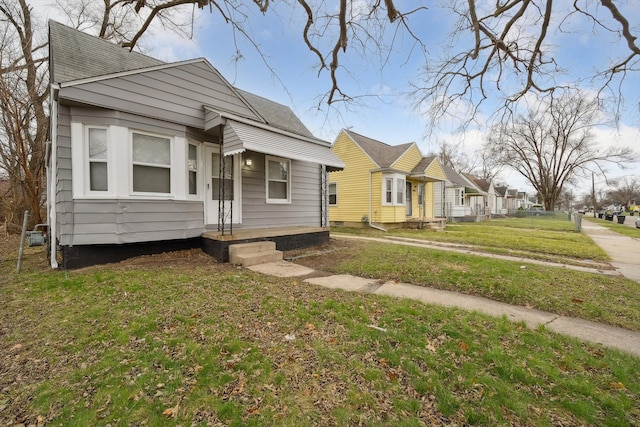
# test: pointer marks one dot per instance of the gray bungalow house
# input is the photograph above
(147, 156)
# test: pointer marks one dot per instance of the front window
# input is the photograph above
(388, 192)
(333, 194)
(222, 177)
(394, 187)
(459, 197)
(192, 166)
(278, 177)
(98, 166)
(400, 191)
(151, 163)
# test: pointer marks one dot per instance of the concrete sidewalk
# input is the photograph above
(624, 252)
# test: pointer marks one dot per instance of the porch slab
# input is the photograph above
(217, 245)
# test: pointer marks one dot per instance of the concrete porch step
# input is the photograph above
(248, 254)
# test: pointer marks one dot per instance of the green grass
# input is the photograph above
(613, 300)
(198, 344)
(182, 340)
(540, 237)
(618, 228)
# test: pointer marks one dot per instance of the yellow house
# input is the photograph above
(384, 185)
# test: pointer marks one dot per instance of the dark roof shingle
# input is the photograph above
(384, 155)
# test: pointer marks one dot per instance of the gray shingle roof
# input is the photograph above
(277, 115)
(423, 164)
(76, 55)
(384, 155)
(453, 176)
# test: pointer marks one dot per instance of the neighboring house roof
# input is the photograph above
(79, 55)
(454, 177)
(512, 193)
(482, 184)
(472, 185)
(501, 191)
(383, 155)
(423, 164)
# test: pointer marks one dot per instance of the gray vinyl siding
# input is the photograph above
(64, 193)
(129, 221)
(304, 209)
(117, 221)
(174, 94)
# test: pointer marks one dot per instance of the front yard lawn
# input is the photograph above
(540, 237)
(178, 339)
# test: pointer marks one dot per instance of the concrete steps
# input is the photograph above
(247, 254)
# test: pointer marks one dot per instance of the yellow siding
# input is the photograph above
(352, 182)
(408, 160)
(429, 200)
(435, 170)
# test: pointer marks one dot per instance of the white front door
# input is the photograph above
(222, 185)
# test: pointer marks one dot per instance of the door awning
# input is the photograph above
(239, 137)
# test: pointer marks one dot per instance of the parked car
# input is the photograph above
(638, 222)
(538, 211)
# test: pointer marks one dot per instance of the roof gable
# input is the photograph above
(76, 56)
(383, 155)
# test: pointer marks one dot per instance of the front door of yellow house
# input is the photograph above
(222, 187)
(408, 199)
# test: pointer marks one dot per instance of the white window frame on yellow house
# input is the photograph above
(393, 184)
(333, 193)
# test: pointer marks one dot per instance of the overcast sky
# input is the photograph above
(285, 71)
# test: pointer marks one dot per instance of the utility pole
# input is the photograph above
(593, 194)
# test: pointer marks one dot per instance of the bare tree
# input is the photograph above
(24, 120)
(25, 124)
(454, 155)
(553, 143)
(495, 49)
(501, 51)
(625, 192)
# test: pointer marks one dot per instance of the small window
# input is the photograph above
(388, 190)
(151, 163)
(400, 191)
(192, 166)
(222, 177)
(98, 173)
(333, 194)
(278, 175)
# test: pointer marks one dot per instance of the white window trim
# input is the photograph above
(329, 194)
(120, 164)
(394, 177)
(266, 180)
(171, 166)
(80, 173)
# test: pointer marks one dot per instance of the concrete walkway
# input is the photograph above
(624, 251)
(613, 243)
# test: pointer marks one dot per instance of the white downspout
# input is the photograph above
(52, 184)
(370, 211)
